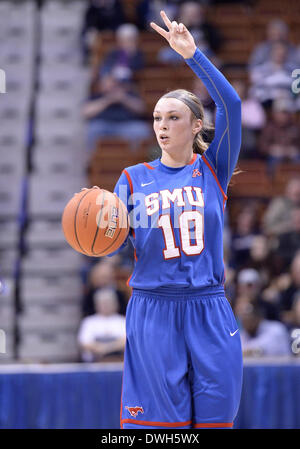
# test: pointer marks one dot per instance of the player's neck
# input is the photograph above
(176, 160)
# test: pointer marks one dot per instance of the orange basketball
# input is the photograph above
(95, 222)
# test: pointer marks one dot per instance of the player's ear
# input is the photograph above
(197, 126)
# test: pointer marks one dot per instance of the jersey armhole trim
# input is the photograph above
(148, 166)
(129, 180)
(131, 192)
(225, 197)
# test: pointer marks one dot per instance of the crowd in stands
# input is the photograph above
(261, 245)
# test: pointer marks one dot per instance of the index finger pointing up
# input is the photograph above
(160, 30)
(166, 19)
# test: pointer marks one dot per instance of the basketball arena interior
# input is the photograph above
(56, 57)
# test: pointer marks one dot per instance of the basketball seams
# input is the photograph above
(83, 213)
(119, 231)
(98, 224)
(75, 218)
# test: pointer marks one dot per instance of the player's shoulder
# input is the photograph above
(140, 168)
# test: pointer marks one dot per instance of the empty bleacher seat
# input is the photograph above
(10, 196)
(62, 79)
(15, 106)
(62, 137)
(51, 316)
(7, 340)
(48, 346)
(7, 316)
(52, 261)
(12, 162)
(55, 288)
(53, 161)
(13, 134)
(41, 233)
(8, 261)
(7, 300)
(49, 195)
(63, 106)
(9, 234)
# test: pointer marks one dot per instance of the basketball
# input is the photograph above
(95, 222)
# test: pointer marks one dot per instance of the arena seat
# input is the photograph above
(40, 233)
(57, 288)
(52, 261)
(48, 346)
(49, 195)
(283, 173)
(49, 316)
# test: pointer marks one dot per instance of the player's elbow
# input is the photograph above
(236, 100)
(236, 107)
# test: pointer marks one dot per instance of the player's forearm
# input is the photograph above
(117, 345)
(217, 85)
(102, 348)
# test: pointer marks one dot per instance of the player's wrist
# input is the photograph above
(189, 53)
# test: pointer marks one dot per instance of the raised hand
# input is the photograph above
(178, 36)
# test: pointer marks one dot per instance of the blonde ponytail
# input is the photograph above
(199, 144)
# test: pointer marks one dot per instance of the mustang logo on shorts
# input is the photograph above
(134, 410)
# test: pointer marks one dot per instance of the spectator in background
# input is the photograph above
(126, 55)
(100, 15)
(294, 327)
(280, 138)
(290, 293)
(272, 79)
(277, 32)
(170, 7)
(115, 110)
(253, 120)
(249, 291)
(102, 275)
(261, 258)
(242, 237)
(141, 14)
(207, 37)
(102, 336)
(259, 336)
(288, 242)
(277, 217)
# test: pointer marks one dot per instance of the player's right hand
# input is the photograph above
(178, 36)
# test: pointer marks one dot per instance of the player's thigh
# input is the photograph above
(155, 383)
(216, 362)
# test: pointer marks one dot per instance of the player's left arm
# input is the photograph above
(223, 152)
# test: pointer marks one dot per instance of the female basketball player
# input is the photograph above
(183, 362)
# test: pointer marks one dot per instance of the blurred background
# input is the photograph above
(82, 78)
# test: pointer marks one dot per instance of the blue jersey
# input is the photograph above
(177, 214)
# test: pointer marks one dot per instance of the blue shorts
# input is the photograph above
(182, 364)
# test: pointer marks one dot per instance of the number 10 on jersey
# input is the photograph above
(186, 220)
